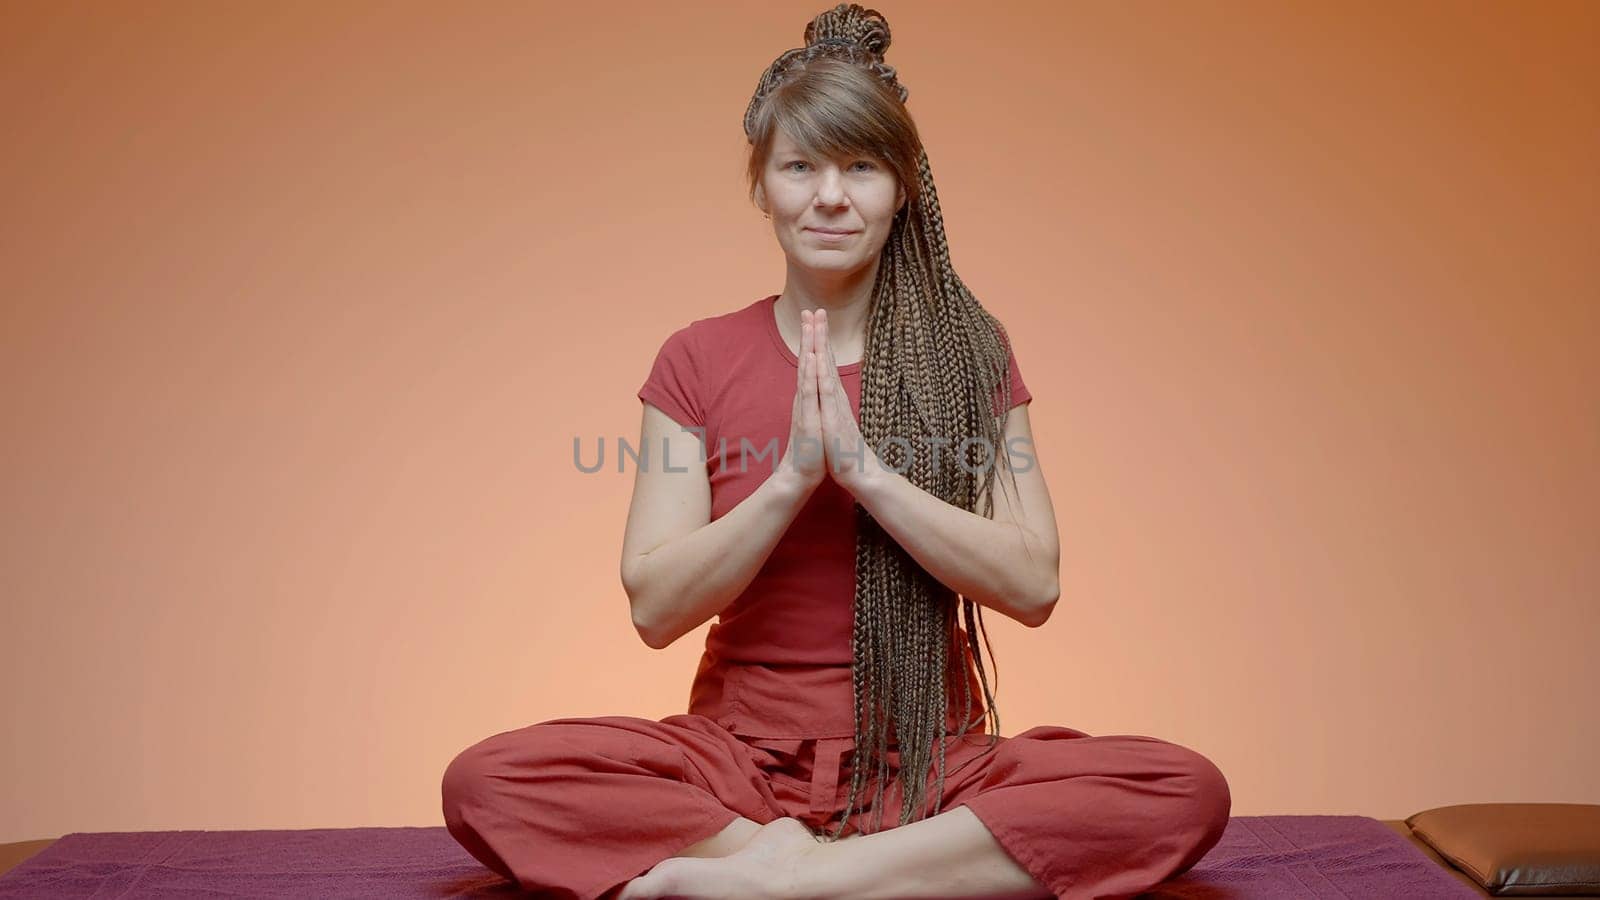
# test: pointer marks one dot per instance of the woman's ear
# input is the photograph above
(761, 199)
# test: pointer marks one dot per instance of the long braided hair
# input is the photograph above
(935, 367)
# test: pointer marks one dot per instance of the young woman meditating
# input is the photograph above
(841, 474)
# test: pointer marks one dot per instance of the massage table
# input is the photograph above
(1334, 856)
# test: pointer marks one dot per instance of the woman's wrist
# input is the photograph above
(790, 485)
(860, 475)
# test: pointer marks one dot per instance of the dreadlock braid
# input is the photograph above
(935, 373)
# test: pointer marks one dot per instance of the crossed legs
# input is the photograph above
(950, 855)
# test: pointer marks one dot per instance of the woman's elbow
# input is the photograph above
(645, 624)
(638, 605)
(651, 638)
(1044, 600)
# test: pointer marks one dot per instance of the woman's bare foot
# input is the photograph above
(766, 867)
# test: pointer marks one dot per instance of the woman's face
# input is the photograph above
(808, 198)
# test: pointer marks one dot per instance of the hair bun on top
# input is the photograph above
(850, 24)
(848, 31)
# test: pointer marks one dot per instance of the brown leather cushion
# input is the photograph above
(1518, 849)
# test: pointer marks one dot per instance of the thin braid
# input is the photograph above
(934, 366)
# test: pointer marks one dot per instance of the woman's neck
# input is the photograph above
(847, 319)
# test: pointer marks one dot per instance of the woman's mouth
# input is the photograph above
(831, 237)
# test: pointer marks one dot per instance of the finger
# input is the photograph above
(822, 345)
(808, 411)
(810, 415)
(806, 329)
(820, 338)
(819, 327)
(830, 368)
(811, 380)
(806, 375)
(800, 375)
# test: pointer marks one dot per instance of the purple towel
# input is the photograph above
(1344, 857)
(1258, 857)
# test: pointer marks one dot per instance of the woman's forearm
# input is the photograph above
(995, 564)
(693, 577)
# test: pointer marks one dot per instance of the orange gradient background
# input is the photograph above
(304, 305)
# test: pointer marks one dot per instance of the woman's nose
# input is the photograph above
(830, 189)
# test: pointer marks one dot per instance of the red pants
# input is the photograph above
(575, 808)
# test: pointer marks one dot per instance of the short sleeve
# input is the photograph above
(674, 384)
(1019, 390)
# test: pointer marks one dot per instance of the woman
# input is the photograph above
(836, 571)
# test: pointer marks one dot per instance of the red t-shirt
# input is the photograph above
(777, 661)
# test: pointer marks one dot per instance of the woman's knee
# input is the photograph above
(556, 746)
(1208, 802)
(465, 792)
(465, 779)
(473, 773)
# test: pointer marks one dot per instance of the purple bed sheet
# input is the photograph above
(1258, 857)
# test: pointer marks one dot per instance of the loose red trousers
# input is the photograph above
(576, 807)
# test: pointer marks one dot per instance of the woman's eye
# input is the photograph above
(868, 165)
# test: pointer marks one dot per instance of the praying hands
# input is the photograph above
(820, 398)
